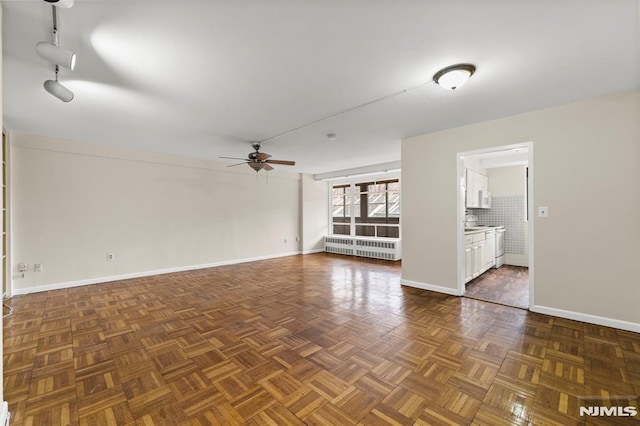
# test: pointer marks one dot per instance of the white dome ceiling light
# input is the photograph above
(454, 76)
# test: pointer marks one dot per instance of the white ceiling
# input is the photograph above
(203, 78)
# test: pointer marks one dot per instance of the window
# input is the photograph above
(369, 209)
(341, 209)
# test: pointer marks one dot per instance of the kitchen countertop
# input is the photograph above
(470, 231)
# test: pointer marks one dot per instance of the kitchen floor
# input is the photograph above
(507, 285)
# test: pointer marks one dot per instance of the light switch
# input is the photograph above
(543, 211)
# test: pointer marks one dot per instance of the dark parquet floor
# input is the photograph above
(507, 285)
(316, 339)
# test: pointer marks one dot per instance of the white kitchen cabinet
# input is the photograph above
(474, 183)
(474, 255)
(483, 182)
(468, 263)
(477, 252)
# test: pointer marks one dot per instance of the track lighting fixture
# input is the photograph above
(56, 54)
(454, 76)
(53, 53)
(60, 3)
(58, 90)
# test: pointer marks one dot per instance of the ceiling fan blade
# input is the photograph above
(234, 158)
(262, 156)
(233, 165)
(282, 162)
(267, 167)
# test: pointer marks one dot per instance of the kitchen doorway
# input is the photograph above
(495, 225)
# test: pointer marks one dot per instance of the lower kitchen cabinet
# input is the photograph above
(474, 256)
(468, 263)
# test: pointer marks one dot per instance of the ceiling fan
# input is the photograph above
(259, 160)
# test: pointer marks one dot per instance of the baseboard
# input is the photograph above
(431, 287)
(516, 260)
(4, 414)
(320, 250)
(70, 284)
(591, 319)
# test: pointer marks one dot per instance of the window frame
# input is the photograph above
(359, 191)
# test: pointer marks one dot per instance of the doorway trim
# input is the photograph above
(460, 209)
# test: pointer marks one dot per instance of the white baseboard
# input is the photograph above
(4, 414)
(320, 250)
(591, 319)
(516, 260)
(431, 287)
(58, 286)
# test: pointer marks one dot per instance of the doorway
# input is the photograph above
(495, 224)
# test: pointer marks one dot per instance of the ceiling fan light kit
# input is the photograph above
(454, 76)
(259, 160)
(58, 56)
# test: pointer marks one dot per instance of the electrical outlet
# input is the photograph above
(37, 267)
(111, 256)
(23, 267)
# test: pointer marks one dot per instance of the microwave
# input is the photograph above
(485, 199)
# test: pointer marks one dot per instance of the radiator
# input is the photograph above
(377, 248)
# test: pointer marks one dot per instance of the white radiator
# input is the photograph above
(377, 248)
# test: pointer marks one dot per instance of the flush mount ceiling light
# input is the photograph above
(53, 53)
(61, 3)
(454, 76)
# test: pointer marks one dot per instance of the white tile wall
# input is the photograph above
(507, 211)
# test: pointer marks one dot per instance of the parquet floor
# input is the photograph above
(316, 339)
(507, 285)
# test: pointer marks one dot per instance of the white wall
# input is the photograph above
(75, 202)
(586, 171)
(505, 181)
(315, 213)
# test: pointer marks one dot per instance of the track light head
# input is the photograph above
(58, 90)
(56, 55)
(66, 4)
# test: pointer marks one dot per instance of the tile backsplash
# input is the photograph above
(509, 212)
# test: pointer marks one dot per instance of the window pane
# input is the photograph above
(394, 204)
(388, 232)
(337, 205)
(342, 229)
(376, 204)
(365, 230)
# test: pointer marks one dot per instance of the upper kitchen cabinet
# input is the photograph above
(475, 182)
